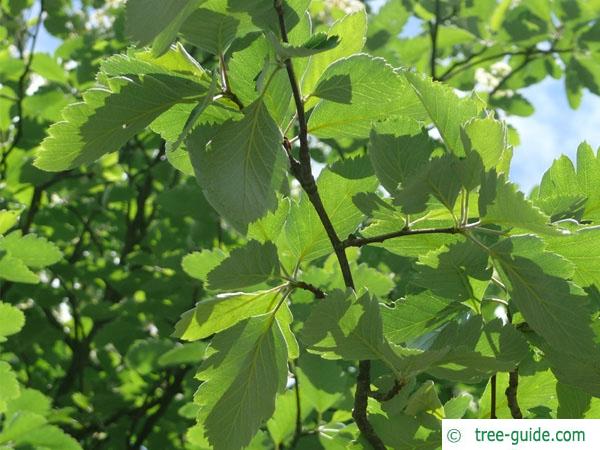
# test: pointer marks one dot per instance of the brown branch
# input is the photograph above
(303, 172)
(319, 293)
(387, 396)
(353, 241)
(511, 394)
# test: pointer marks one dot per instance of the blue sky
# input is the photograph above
(553, 129)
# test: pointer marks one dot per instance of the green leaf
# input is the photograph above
(241, 380)
(445, 109)
(551, 306)
(351, 30)
(568, 193)
(157, 20)
(488, 137)
(13, 269)
(416, 315)
(213, 28)
(582, 249)
(9, 386)
(216, 314)
(8, 219)
(478, 350)
(46, 66)
(398, 149)
(245, 266)
(285, 319)
(357, 91)
(188, 353)
(11, 320)
(317, 43)
(439, 179)
(35, 252)
(242, 167)
(425, 399)
(110, 115)
(572, 402)
(456, 407)
(323, 382)
(500, 203)
(448, 271)
(199, 264)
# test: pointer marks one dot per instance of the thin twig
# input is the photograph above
(353, 241)
(387, 396)
(227, 92)
(468, 62)
(318, 292)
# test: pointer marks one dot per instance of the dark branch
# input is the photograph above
(319, 293)
(387, 396)
(511, 394)
(361, 399)
(353, 241)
